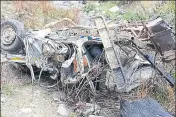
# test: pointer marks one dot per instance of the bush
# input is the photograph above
(89, 7)
(133, 16)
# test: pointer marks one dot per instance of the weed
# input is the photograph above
(105, 6)
(174, 75)
(35, 14)
(160, 94)
(73, 115)
(89, 7)
(7, 90)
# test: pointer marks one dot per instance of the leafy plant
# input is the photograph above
(89, 7)
(161, 95)
(7, 90)
(133, 16)
(105, 6)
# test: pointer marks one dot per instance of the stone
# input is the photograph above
(58, 96)
(3, 99)
(37, 93)
(55, 96)
(26, 110)
(33, 105)
(62, 110)
(88, 108)
(95, 116)
(91, 108)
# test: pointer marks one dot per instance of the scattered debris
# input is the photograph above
(75, 56)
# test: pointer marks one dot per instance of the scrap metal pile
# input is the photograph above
(83, 59)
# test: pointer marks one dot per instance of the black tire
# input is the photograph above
(19, 30)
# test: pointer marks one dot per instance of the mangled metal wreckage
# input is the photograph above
(70, 56)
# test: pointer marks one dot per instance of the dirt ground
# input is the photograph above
(20, 99)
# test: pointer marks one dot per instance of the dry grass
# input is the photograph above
(164, 94)
(35, 14)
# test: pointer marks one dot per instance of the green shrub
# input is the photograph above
(133, 16)
(89, 7)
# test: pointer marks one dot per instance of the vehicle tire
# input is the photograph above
(11, 31)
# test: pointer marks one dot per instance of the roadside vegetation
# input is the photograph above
(136, 10)
(36, 14)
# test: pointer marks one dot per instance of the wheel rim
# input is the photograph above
(7, 35)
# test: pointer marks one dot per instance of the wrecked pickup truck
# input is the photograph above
(74, 53)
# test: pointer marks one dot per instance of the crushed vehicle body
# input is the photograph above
(73, 54)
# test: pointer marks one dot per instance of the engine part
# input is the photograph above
(57, 51)
(50, 48)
